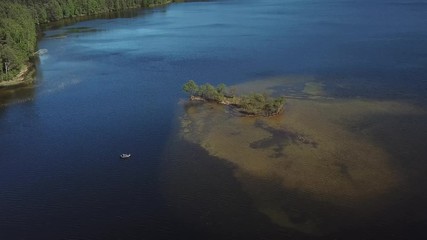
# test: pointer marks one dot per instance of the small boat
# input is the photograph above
(125, 155)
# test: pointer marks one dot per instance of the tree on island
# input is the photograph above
(253, 104)
(205, 92)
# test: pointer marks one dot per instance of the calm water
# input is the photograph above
(355, 72)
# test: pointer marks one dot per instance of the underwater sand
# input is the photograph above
(319, 149)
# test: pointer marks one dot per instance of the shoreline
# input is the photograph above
(254, 104)
(23, 77)
(238, 108)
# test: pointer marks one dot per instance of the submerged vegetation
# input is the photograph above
(254, 104)
(19, 18)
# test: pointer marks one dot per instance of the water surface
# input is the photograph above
(345, 161)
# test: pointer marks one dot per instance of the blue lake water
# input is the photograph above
(112, 85)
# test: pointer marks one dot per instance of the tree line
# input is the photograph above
(19, 18)
(254, 104)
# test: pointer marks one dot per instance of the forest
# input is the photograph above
(19, 20)
(254, 104)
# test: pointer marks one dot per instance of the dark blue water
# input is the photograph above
(115, 89)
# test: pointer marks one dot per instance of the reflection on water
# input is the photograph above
(61, 85)
(348, 156)
(63, 33)
(311, 167)
(296, 87)
(26, 93)
(14, 95)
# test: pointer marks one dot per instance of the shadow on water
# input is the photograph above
(59, 29)
(404, 137)
(21, 93)
(345, 161)
(131, 13)
(16, 95)
(205, 198)
(279, 139)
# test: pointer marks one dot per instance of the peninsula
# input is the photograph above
(254, 104)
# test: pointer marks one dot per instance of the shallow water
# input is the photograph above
(345, 161)
(312, 153)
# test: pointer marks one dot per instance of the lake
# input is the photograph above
(346, 160)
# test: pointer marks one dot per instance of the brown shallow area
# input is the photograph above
(319, 156)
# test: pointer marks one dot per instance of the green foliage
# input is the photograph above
(252, 104)
(51, 10)
(209, 92)
(261, 104)
(221, 88)
(18, 19)
(17, 37)
(191, 88)
(205, 91)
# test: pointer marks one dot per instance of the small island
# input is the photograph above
(254, 104)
